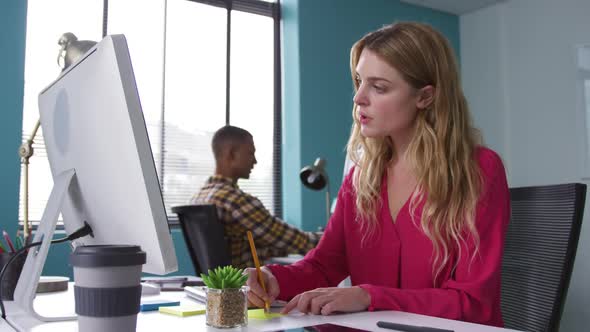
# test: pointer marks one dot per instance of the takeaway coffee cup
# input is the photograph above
(107, 287)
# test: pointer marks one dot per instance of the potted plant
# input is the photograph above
(227, 302)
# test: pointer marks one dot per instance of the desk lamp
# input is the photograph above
(71, 50)
(315, 177)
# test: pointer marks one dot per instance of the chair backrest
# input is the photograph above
(204, 236)
(539, 254)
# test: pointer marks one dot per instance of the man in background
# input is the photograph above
(240, 212)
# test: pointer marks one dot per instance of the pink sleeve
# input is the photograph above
(472, 293)
(324, 266)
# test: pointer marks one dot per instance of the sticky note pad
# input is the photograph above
(184, 310)
(151, 305)
(260, 314)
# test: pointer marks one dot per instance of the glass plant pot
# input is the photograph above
(227, 308)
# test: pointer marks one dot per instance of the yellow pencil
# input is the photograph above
(258, 271)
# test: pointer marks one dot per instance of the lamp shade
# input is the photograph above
(314, 176)
(72, 48)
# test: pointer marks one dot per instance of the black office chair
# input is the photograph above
(539, 254)
(204, 236)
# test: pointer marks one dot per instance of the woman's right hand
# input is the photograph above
(257, 296)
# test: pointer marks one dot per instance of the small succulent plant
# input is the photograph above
(225, 277)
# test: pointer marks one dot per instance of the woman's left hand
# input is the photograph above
(326, 301)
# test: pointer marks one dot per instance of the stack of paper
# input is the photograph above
(200, 295)
(196, 293)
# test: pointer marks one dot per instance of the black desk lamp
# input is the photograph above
(315, 177)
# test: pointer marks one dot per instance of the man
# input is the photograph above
(239, 212)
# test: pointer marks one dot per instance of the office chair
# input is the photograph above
(539, 253)
(204, 236)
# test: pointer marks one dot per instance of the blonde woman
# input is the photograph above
(421, 218)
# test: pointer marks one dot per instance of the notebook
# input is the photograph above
(184, 310)
(260, 314)
(152, 305)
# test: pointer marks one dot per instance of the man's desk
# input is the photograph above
(63, 304)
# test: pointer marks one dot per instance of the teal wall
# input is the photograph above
(291, 135)
(13, 15)
(317, 89)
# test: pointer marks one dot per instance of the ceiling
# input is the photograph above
(457, 7)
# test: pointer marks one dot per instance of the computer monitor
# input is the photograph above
(102, 164)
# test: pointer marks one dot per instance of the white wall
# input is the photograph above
(482, 77)
(519, 74)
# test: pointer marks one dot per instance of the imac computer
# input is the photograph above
(102, 166)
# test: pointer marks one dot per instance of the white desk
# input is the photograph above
(63, 303)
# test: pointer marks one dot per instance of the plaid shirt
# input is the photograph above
(240, 212)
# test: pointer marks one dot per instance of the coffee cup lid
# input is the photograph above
(107, 255)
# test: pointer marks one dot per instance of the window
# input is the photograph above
(188, 88)
(145, 40)
(195, 95)
(251, 93)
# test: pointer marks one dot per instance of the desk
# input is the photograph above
(62, 303)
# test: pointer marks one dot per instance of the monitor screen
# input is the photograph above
(93, 123)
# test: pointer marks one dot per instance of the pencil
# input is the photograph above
(258, 271)
(17, 240)
(7, 238)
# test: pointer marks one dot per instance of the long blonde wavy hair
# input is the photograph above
(441, 152)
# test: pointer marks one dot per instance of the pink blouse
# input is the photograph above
(395, 264)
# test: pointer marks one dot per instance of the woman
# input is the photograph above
(421, 218)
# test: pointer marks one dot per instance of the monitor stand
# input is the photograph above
(20, 313)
